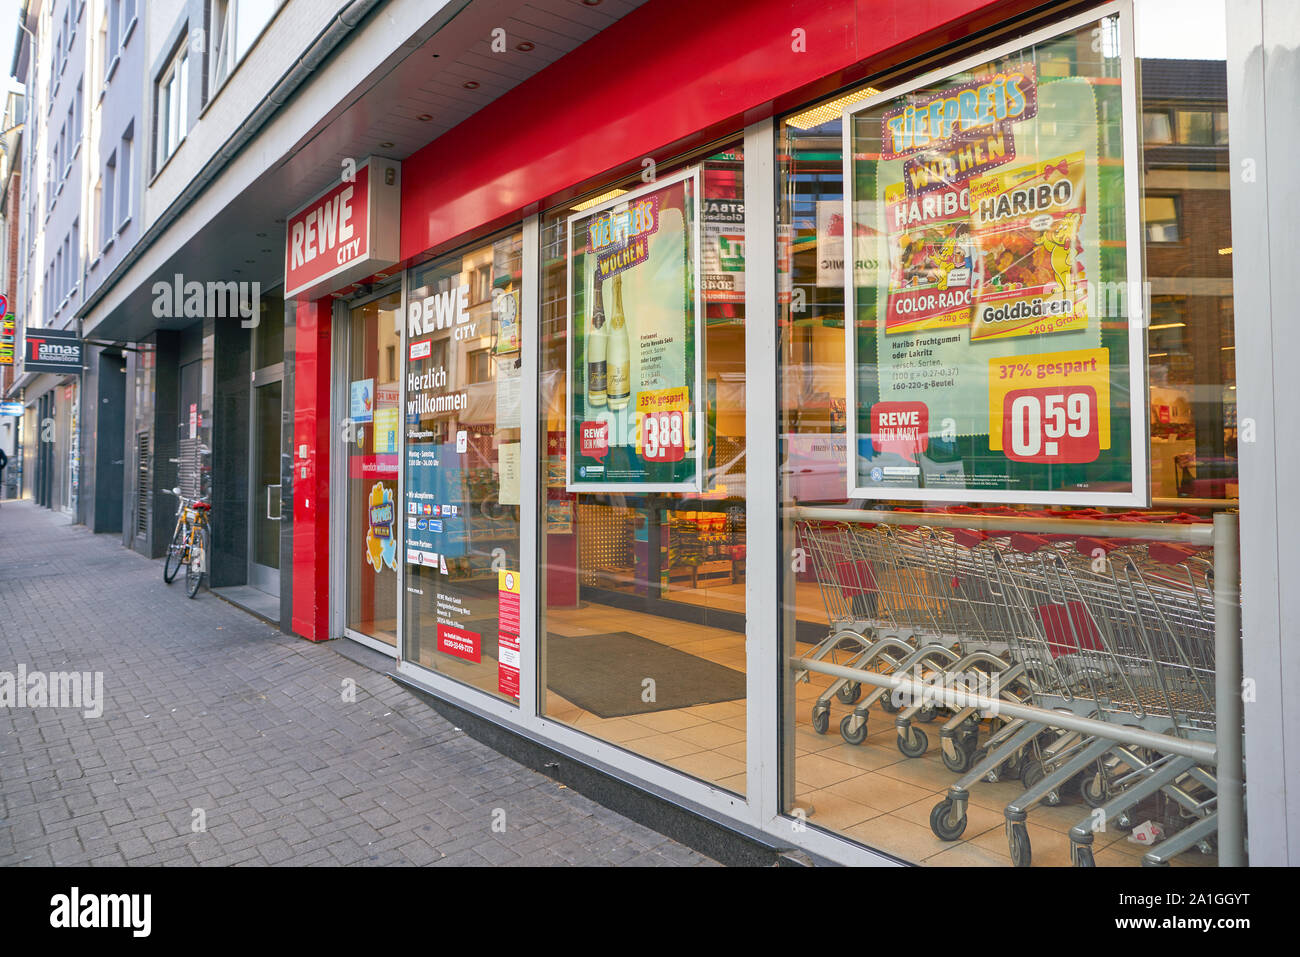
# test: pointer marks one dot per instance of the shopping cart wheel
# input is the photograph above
(1093, 790)
(927, 714)
(847, 731)
(943, 829)
(964, 759)
(849, 693)
(1018, 843)
(821, 719)
(913, 742)
(1032, 773)
(1081, 856)
(889, 705)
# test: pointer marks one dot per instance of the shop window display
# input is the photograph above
(880, 767)
(461, 498)
(642, 405)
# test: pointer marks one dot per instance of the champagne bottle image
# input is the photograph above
(597, 340)
(619, 385)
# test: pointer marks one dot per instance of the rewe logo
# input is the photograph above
(103, 910)
(212, 300)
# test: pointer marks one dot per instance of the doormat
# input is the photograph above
(604, 674)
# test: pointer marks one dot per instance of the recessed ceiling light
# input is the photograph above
(470, 84)
(385, 145)
(425, 117)
(524, 46)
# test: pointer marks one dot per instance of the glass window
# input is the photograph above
(917, 594)
(171, 99)
(1161, 218)
(463, 436)
(110, 178)
(124, 184)
(234, 26)
(643, 598)
(1196, 127)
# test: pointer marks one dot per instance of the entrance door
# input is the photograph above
(264, 554)
(370, 439)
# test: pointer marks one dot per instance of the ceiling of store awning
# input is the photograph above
(419, 95)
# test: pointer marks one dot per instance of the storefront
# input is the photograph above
(627, 445)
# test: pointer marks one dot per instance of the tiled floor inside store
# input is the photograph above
(870, 792)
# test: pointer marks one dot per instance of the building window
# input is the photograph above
(1162, 219)
(114, 34)
(1196, 127)
(74, 255)
(479, 366)
(172, 96)
(76, 112)
(124, 180)
(234, 26)
(106, 213)
(93, 226)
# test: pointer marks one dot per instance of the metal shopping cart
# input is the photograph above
(1116, 638)
(906, 600)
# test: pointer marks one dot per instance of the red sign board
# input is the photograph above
(459, 642)
(345, 234)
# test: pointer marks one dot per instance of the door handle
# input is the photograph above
(274, 518)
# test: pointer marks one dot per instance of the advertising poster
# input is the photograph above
(8, 331)
(994, 356)
(724, 250)
(361, 408)
(508, 632)
(635, 416)
(830, 243)
(381, 530)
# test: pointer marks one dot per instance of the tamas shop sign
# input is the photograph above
(349, 232)
(52, 350)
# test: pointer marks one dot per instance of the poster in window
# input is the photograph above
(998, 355)
(635, 417)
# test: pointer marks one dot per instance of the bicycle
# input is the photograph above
(189, 544)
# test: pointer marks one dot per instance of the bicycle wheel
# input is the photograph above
(175, 554)
(198, 561)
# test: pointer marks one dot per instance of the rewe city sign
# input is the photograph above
(350, 231)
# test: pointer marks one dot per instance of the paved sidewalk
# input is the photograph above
(212, 715)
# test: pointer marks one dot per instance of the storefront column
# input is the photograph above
(1263, 36)
(311, 470)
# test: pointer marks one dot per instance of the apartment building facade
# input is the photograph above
(516, 341)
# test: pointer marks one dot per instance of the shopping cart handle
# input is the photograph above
(1028, 543)
(1169, 554)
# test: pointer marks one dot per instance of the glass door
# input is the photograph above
(264, 560)
(370, 461)
(266, 451)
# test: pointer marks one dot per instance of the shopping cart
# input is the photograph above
(1114, 637)
(910, 601)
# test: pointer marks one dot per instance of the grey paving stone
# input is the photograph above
(206, 707)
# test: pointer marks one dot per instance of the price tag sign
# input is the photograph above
(1052, 408)
(1051, 425)
(662, 425)
(662, 436)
